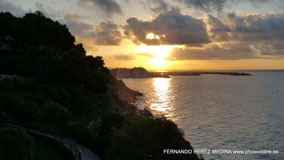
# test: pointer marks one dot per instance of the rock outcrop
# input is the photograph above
(122, 91)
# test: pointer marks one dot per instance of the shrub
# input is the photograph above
(146, 138)
(27, 110)
(15, 144)
(8, 101)
(54, 114)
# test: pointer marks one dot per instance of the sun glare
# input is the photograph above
(159, 54)
(152, 36)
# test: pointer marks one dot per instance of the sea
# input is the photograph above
(223, 117)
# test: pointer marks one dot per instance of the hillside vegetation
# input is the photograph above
(54, 83)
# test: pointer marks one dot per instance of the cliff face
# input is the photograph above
(118, 88)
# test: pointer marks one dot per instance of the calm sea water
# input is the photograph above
(222, 112)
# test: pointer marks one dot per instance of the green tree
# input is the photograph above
(9, 101)
(54, 114)
(27, 110)
(15, 144)
(146, 138)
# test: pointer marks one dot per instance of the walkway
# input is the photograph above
(86, 154)
(79, 151)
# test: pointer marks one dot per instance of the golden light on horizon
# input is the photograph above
(159, 54)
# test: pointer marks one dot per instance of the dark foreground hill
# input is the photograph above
(50, 80)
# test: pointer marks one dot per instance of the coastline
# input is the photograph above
(199, 73)
(139, 72)
(124, 93)
(91, 105)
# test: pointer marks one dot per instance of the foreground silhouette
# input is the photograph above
(48, 79)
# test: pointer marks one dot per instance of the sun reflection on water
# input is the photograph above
(163, 96)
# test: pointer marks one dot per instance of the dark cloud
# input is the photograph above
(229, 51)
(219, 5)
(206, 5)
(107, 33)
(273, 48)
(125, 57)
(71, 20)
(7, 6)
(132, 56)
(258, 1)
(226, 51)
(251, 28)
(236, 37)
(110, 7)
(172, 28)
(158, 6)
(76, 27)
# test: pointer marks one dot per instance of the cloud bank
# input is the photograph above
(219, 5)
(206, 5)
(170, 28)
(132, 56)
(236, 37)
(228, 36)
(107, 33)
(110, 7)
(251, 27)
(158, 6)
(226, 51)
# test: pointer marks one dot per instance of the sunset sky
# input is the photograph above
(171, 34)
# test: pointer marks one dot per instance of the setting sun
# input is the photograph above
(159, 54)
(141, 79)
(152, 36)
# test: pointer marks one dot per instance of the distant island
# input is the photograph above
(139, 72)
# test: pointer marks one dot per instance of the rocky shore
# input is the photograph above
(122, 91)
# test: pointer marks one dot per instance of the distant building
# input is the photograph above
(136, 72)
